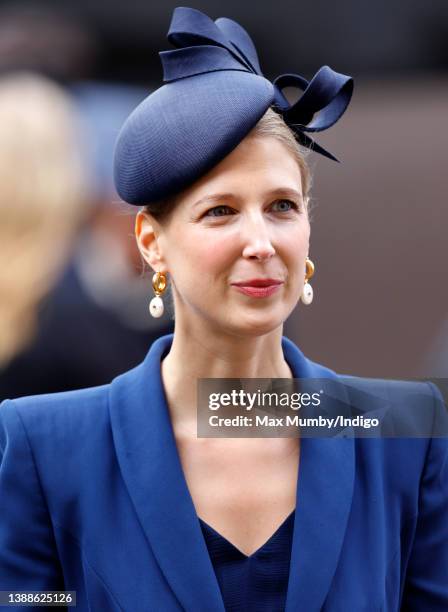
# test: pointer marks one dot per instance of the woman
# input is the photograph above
(108, 491)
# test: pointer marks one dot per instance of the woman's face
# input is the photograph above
(244, 221)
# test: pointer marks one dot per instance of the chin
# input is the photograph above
(258, 325)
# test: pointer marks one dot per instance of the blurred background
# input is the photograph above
(379, 219)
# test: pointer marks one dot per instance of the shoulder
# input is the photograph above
(407, 408)
(57, 440)
(409, 448)
(388, 388)
(411, 435)
(55, 416)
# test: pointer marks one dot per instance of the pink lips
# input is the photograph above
(258, 287)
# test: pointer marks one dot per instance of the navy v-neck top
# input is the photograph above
(254, 583)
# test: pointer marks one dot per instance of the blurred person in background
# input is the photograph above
(95, 323)
(89, 329)
(42, 201)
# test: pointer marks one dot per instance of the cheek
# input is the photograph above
(216, 252)
(205, 254)
(295, 245)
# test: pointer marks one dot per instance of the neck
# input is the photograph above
(204, 353)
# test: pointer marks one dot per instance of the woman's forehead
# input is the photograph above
(262, 165)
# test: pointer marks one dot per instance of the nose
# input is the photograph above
(257, 239)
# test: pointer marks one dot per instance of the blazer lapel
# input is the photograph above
(324, 496)
(152, 471)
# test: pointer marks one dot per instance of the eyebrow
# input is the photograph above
(285, 192)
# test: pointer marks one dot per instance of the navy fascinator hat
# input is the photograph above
(214, 94)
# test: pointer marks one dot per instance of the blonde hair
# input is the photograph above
(42, 199)
(271, 124)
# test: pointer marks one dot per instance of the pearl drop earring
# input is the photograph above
(307, 291)
(159, 284)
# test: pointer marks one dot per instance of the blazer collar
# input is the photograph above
(151, 468)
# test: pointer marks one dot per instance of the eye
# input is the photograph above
(218, 211)
(285, 205)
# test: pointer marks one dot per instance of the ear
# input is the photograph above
(147, 236)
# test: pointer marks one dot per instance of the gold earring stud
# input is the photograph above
(159, 284)
(307, 291)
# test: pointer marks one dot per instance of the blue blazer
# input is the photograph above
(94, 499)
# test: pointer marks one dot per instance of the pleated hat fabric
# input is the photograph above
(214, 94)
